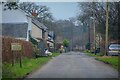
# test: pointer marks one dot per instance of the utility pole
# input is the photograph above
(72, 38)
(82, 37)
(106, 35)
(89, 34)
(94, 35)
(94, 29)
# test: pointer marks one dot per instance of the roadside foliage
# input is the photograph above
(27, 49)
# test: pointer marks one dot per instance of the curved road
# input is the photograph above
(74, 65)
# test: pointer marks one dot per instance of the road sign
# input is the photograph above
(16, 47)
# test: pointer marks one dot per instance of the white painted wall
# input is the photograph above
(29, 27)
(36, 32)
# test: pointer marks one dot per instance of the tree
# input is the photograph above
(42, 12)
(98, 9)
(10, 5)
(65, 42)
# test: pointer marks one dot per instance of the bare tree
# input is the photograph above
(41, 12)
(98, 9)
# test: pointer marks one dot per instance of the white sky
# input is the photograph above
(63, 0)
(68, 0)
(62, 10)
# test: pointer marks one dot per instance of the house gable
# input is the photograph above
(14, 23)
(36, 31)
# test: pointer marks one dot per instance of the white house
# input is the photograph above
(15, 23)
(38, 30)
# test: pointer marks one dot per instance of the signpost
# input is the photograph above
(16, 47)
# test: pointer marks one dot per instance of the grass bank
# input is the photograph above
(28, 65)
(111, 60)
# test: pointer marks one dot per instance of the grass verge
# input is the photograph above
(28, 65)
(55, 54)
(111, 60)
(93, 55)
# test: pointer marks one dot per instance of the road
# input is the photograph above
(74, 65)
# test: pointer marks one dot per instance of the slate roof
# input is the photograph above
(13, 16)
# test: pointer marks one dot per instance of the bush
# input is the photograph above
(66, 43)
(87, 51)
(36, 51)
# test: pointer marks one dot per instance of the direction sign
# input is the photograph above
(16, 47)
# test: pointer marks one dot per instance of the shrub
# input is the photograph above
(36, 51)
(66, 43)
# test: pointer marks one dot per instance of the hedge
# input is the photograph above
(6, 49)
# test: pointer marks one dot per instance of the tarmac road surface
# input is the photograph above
(74, 65)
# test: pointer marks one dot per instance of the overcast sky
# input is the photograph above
(62, 10)
(66, 0)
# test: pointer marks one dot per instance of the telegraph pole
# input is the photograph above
(72, 39)
(94, 36)
(89, 38)
(94, 30)
(106, 35)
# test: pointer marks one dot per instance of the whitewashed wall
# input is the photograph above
(36, 32)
